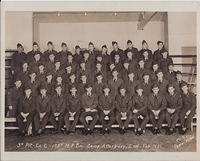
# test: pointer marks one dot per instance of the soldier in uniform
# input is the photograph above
(92, 52)
(42, 110)
(78, 55)
(41, 74)
(72, 82)
(34, 64)
(174, 105)
(49, 82)
(139, 108)
(131, 59)
(81, 85)
(162, 82)
(17, 59)
(146, 83)
(13, 98)
(171, 74)
(147, 60)
(178, 82)
(164, 61)
(73, 109)
(59, 82)
(106, 106)
(145, 47)
(33, 52)
(153, 72)
(188, 108)
(115, 82)
(156, 106)
(105, 57)
(26, 111)
(99, 69)
(131, 48)
(71, 62)
(58, 105)
(49, 50)
(24, 73)
(140, 69)
(89, 104)
(117, 50)
(98, 85)
(157, 55)
(123, 105)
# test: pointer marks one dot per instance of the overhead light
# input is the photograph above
(85, 14)
(115, 14)
(58, 14)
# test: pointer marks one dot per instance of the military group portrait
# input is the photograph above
(93, 85)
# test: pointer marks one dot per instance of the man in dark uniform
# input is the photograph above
(117, 50)
(73, 109)
(81, 85)
(157, 106)
(92, 52)
(174, 105)
(66, 73)
(59, 82)
(17, 59)
(24, 73)
(41, 74)
(146, 83)
(117, 62)
(154, 70)
(162, 82)
(115, 82)
(26, 111)
(188, 109)
(105, 57)
(131, 48)
(165, 61)
(178, 82)
(33, 52)
(106, 106)
(157, 55)
(139, 108)
(140, 69)
(171, 74)
(78, 55)
(49, 82)
(131, 59)
(99, 69)
(98, 85)
(50, 63)
(34, 64)
(58, 105)
(70, 62)
(42, 110)
(147, 60)
(13, 98)
(145, 47)
(49, 50)
(89, 104)
(123, 105)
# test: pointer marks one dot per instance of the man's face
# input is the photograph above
(83, 78)
(145, 54)
(64, 48)
(139, 91)
(122, 91)
(33, 75)
(20, 49)
(160, 75)
(69, 69)
(70, 57)
(78, 50)
(41, 67)
(99, 58)
(43, 92)
(72, 77)
(155, 67)
(98, 66)
(112, 66)
(106, 90)
(73, 90)
(99, 78)
(179, 76)
(28, 92)
(104, 50)
(171, 90)
(59, 79)
(35, 47)
(18, 83)
(25, 65)
(115, 46)
(117, 57)
(57, 64)
(145, 46)
(155, 90)
(131, 75)
(89, 89)
(146, 77)
(129, 55)
(82, 65)
(51, 57)
(115, 73)
(58, 89)
(130, 45)
(160, 46)
(86, 56)
(171, 68)
(184, 89)
(141, 63)
(37, 57)
(50, 47)
(126, 65)
(91, 47)
(49, 77)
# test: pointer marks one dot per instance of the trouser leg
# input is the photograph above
(161, 119)
(152, 119)
(20, 123)
(74, 123)
(83, 120)
(175, 118)
(29, 121)
(60, 121)
(53, 121)
(190, 118)
(145, 120)
(135, 120)
(37, 122)
(168, 119)
(182, 117)
(118, 119)
(103, 121)
(95, 118)
(67, 121)
(44, 121)
(128, 120)
(111, 119)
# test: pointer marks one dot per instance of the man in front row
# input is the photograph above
(26, 111)
(106, 107)
(157, 105)
(89, 104)
(73, 105)
(188, 109)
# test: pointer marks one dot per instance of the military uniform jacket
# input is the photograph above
(156, 103)
(107, 102)
(143, 50)
(31, 54)
(114, 85)
(164, 63)
(17, 60)
(139, 103)
(147, 87)
(133, 50)
(73, 64)
(89, 101)
(174, 101)
(14, 95)
(27, 105)
(157, 55)
(24, 75)
(189, 101)
(140, 72)
(98, 88)
(162, 85)
(50, 66)
(34, 86)
(130, 86)
(62, 56)
(123, 103)
(78, 57)
(177, 85)
(73, 103)
(58, 103)
(48, 52)
(120, 52)
(43, 104)
(171, 77)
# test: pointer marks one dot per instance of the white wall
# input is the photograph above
(99, 33)
(182, 31)
(18, 27)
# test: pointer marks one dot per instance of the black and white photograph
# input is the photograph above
(100, 80)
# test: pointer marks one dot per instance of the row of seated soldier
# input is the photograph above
(120, 87)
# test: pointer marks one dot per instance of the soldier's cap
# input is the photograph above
(90, 43)
(115, 70)
(88, 85)
(49, 73)
(140, 59)
(59, 74)
(67, 66)
(114, 42)
(155, 85)
(123, 86)
(155, 62)
(164, 51)
(159, 71)
(27, 86)
(99, 74)
(49, 43)
(85, 52)
(104, 46)
(129, 51)
(58, 86)
(117, 54)
(77, 47)
(129, 42)
(72, 86)
(72, 74)
(126, 61)
(69, 54)
(170, 85)
(99, 55)
(32, 70)
(158, 42)
(35, 43)
(82, 61)
(17, 78)
(63, 44)
(43, 86)
(146, 73)
(41, 63)
(178, 72)
(131, 71)
(184, 84)
(143, 42)
(19, 45)
(106, 86)
(139, 87)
